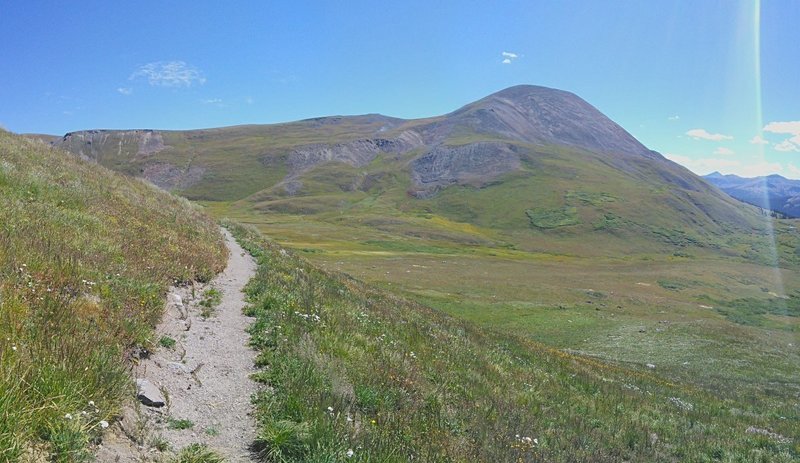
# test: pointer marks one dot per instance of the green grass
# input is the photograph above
(212, 297)
(672, 255)
(352, 368)
(86, 256)
(553, 218)
(167, 342)
(197, 453)
(179, 424)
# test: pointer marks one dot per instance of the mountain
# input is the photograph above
(772, 192)
(533, 167)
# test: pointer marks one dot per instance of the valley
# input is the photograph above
(526, 212)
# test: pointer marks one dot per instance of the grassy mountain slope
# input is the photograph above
(407, 383)
(537, 167)
(527, 211)
(85, 258)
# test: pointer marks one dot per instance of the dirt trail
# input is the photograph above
(204, 378)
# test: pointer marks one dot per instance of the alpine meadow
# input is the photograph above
(318, 232)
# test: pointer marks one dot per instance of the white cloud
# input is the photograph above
(702, 134)
(508, 57)
(125, 90)
(169, 74)
(731, 166)
(724, 151)
(786, 146)
(674, 118)
(791, 127)
(759, 140)
(704, 166)
(760, 169)
(787, 128)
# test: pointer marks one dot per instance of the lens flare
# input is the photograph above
(769, 221)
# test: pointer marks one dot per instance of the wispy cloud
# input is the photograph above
(218, 102)
(702, 134)
(704, 166)
(786, 146)
(508, 57)
(169, 74)
(724, 151)
(125, 90)
(786, 128)
(674, 118)
(759, 140)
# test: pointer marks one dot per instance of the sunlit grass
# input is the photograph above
(85, 258)
(356, 374)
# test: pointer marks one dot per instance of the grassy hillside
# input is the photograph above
(582, 240)
(85, 258)
(357, 374)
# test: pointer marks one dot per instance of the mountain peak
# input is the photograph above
(542, 115)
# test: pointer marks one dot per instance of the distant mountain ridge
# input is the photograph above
(534, 165)
(773, 192)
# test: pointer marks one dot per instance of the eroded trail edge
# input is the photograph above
(203, 377)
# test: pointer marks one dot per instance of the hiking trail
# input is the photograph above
(203, 378)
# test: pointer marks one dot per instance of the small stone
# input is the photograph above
(148, 394)
(650, 366)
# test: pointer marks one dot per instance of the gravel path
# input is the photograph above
(204, 378)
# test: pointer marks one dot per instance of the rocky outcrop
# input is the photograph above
(473, 164)
(357, 153)
(170, 177)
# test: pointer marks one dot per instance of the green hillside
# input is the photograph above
(527, 212)
(86, 256)
(357, 374)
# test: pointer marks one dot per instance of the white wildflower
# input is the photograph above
(68, 416)
(350, 453)
(14, 348)
(104, 424)
(91, 403)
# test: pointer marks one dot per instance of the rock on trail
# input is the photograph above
(204, 378)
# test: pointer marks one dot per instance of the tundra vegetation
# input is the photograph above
(353, 373)
(86, 256)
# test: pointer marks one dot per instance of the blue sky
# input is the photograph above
(696, 80)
